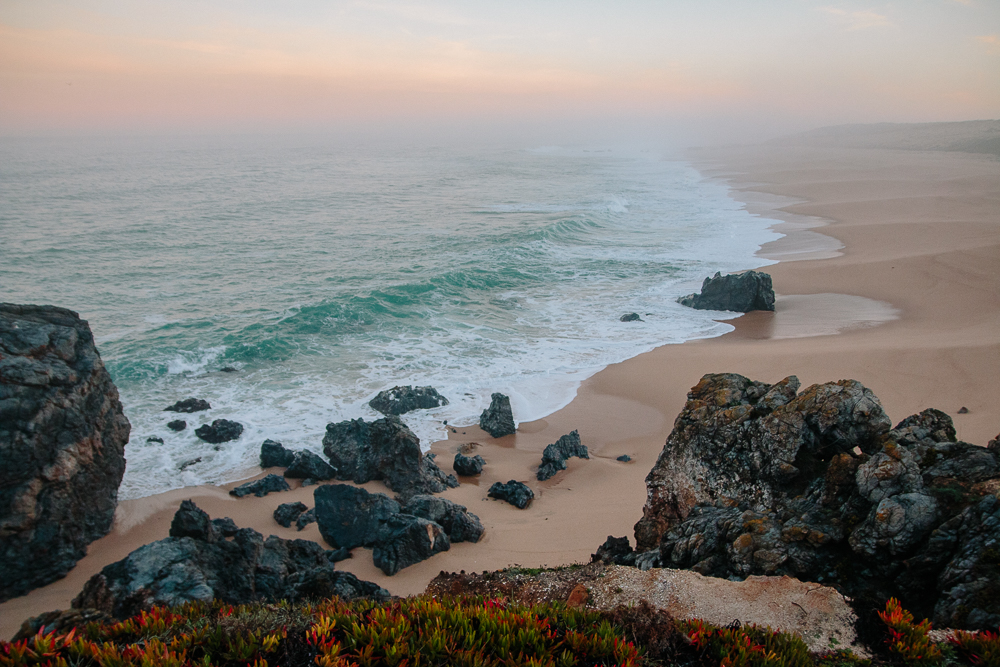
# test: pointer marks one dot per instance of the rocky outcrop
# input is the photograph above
(516, 493)
(220, 430)
(306, 465)
(62, 443)
(555, 455)
(758, 479)
(261, 487)
(739, 292)
(400, 400)
(468, 466)
(384, 450)
(498, 419)
(351, 517)
(274, 455)
(189, 405)
(203, 566)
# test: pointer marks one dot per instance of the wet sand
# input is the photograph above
(890, 275)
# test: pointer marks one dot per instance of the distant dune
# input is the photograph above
(972, 136)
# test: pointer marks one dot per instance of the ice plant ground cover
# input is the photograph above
(461, 631)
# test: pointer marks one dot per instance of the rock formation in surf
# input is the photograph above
(400, 400)
(741, 293)
(62, 444)
(761, 479)
(197, 563)
(384, 450)
(498, 419)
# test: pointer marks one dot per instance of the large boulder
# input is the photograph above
(555, 455)
(739, 292)
(760, 480)
(468, 466)
(514, 492)
(306, 465)
(62, 444)
(189, 405)
(349, 516)
(498, 419)
(408, 540)
(247, 569)
(219, 431)
(274, 455)
(459, 523)
(384, 450)
(400, 400)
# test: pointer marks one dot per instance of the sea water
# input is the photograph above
(324, 272)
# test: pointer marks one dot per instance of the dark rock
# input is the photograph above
(624, 458)
(468, 466)
(630, 317)
(187, 464)
(745, 488)
(221, 430)
(286, 513)
(498, 419)
(615, 550)
(155, 438)
(306, 518)
(229, 369)
(384, 450)
(337, 555)
(177, 425)
(516, 493)
(306, 465)
(409, 540)
(963, 410)
(247, 569)
(225, 527)
(274, 455)
(740, 293)
(400, 400)
(459, 524)
(60, 622)
(351, 517)
(555, 455)
(189, 405)
(192, 521)
(62, 443)
(261, 487)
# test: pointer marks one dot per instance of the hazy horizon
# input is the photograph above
(675, 74)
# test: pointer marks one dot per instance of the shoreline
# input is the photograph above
(918, 232)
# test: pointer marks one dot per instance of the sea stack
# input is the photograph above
(62, 441)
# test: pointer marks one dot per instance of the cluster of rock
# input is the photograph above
(555, 455)
(198, 562)
(761, 479)
(62, 443)
(399, 535)
(400, 400)
(384, 450)
(498, 419)
(738, 292)
(288, 513)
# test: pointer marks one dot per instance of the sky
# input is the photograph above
(714, 69)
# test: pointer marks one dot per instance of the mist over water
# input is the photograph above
(324, 273)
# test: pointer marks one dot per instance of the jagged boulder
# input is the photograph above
(274, 455)
(555, 455)
(306, 465)
(192, 521)
(177, 425)
(498, 419)
(408, 540)
(261, 487)
(820, 489)
(286, 513)
(516, 493)
(306, 518)
(384, 450)
(62, 444)
(220, 430)
(189, 405)
(468, 466)
(458, 522)
(247, 569)
(630, 317)
(400, 400)
(739, 292)
(351, 517)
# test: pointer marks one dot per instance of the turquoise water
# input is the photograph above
(325, 272)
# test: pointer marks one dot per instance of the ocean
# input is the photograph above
(324, 271)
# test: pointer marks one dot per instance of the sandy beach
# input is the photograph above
(889, 274)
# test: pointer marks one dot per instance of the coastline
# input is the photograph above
(918, 232)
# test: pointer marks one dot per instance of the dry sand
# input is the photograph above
(898, 251)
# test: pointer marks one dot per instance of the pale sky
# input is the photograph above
(750, 66)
